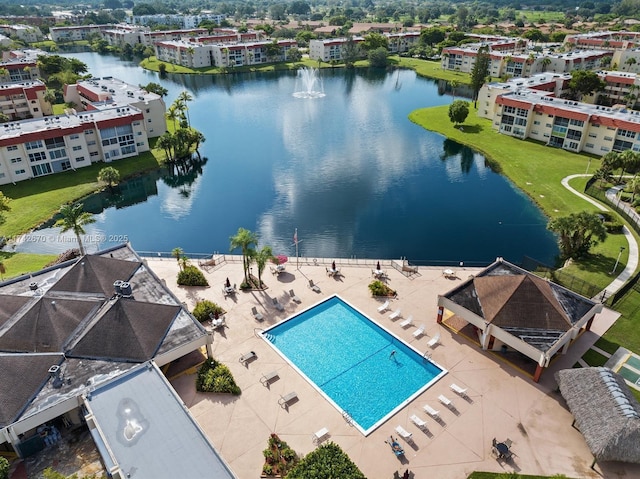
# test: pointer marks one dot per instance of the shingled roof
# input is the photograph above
(605, 411)
(9, 305)
(95, 274)
(128, 331)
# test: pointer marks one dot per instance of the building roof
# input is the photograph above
(605, 411)
(537, 311)
(70, 316)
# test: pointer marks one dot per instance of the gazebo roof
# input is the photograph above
(605, 411)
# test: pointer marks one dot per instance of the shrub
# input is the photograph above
(278, 457)
(215, 377)
(205, 308)
(378, 288)
(4, 468)
(326, 462)
(192, 276)
(614, 227)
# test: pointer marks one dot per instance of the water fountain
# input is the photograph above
(308, 84)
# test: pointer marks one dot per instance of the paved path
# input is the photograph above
(632, 262)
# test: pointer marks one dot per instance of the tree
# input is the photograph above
(162, 68)
(378, 58)
(577, 233)
(326, 462)
(4, 206)
(458, 111)
(262, 257)
(177, 253)
(173, 114)
(74, 218)
(432, 36)
(480, 72)
(294, 55)
(156, 88)
(245, 240)
(109, 175)
(4, 468)
(585, 82)
(49, 96)
(630, 62)
(373, 41)
(184, 97)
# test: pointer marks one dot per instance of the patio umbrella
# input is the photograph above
(228, 283)
(282, 259)
(378, 266)
(333, 265)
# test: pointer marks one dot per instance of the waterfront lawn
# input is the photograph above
(16, 264)
(36, 200)
(430, 69)
(537, 170)
(153, 64)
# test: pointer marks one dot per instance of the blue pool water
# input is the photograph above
(347, 357)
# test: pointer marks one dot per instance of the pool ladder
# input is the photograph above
(259, 332)
(347, 417)
(270, 337)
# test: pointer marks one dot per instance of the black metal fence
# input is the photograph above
(560, 277)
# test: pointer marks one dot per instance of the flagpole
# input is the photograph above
(296, 238)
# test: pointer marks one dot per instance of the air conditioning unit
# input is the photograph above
(126, 289)
(117, 286)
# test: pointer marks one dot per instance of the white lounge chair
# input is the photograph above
(407, 322)
(430, 411)
(396, 314)
(256, 314)
(445, 400)
(267, 378)
(419, 332)
(383, 308)
(277, 305)
(418, 421)
(314, 286)
(435, 340)
(319, 435)
(403, 432)
(285, 400)
(294, 297)
(458, 390)
(247, 357)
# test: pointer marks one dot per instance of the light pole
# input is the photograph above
(588, 165)
(617, 260)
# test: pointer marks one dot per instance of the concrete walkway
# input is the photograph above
(632, 261)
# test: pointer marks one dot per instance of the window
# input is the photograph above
(589, 145)
(32, 145)
(536, 122)
(74, 137)
(35, 110)
(12, 148)
(37, 156)
(65, 165)
(79, 158)
(593, 135)
(149, 120)
(55, 154)
(147, 110)
(627, 133)
(573, 145)
(53, 143)
(608, 138)
(140, 144)
(1, 175)
(576, 122)
(88, 132)
(93, 153)
(604, 148)
(42, 169)
(548, 125)
(136, 123)
(139, 133)
(128, 149)
(20, 172)
(77, 148)
(16, 160)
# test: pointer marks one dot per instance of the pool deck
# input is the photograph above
(503, 402)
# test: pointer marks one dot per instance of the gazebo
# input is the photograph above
(509, 307)
(605, 411)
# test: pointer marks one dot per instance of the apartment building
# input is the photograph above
(19, 69)
(185, 53)
(183, 21)
(402, 42)
(121, 35)
(330, 49)
(24, 99)
(570, 125)
(220, 35)
(108, 92)
(76, 32)
(43, 146)
(26, 33)
(149, 39)
(603, 40)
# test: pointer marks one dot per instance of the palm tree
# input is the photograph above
(244, 239)
(262, 257)
(545, 63)
(177, 254)
(630, 61)
(49, 96)
(173, 113)
(185, 97)
(74, 218)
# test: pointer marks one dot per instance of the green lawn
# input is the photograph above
(533, 16)
(37, 200)
(153, 64)
(431, 69)
(537, 170)
(16, 264)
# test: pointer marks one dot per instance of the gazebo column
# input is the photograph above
(587, 326)
(440, 314)
(538, 373)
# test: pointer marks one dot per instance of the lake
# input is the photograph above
(349, 170)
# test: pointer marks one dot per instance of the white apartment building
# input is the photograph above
(75, 32)
(4, 41)
(184, 21)
(603, 40)
(185, 53)
(149, 39)
(627, 60)
(108, 93)
(330, 49)
(570, 125)
(25, 99)
(43, 146)
(26, 33)
(402, 42)
(121, 35)
(19, 69)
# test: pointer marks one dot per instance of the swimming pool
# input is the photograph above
(348, 359)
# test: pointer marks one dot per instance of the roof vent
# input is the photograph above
(125, 287)
(117, 286)
(33, 286)
(54, 370)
